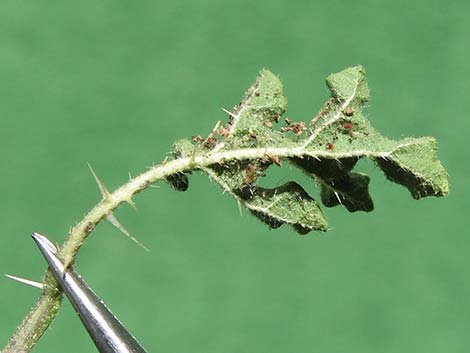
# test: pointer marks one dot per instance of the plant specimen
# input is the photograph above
(236, 155)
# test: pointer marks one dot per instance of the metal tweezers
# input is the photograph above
(106, 331)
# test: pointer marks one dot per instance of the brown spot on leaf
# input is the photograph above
(274, 159)
(197, 138)
(296, 127)
(250, 175)
(210, 142)
(252, 135)
(223, 132)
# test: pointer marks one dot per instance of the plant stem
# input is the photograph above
(43, 313)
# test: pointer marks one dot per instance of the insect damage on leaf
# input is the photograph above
(338, 137)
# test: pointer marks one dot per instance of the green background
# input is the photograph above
(114, 83)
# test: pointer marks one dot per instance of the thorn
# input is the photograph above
(114, 221)
(103, 189)
(131, 203)
(228, 112)
(25, 281)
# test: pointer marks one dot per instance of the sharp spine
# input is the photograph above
(104, 191)
(25, 281)
(114, 221)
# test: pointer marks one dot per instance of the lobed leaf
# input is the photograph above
(328, 150)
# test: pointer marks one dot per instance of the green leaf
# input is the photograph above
(327, 149)
(286, 204)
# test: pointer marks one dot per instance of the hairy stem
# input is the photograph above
(43, 313)
(38, 320)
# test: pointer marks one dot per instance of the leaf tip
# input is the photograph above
(349, 84)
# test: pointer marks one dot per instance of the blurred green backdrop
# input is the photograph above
(114, 83)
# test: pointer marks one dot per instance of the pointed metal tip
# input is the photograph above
(44, 243)
(49, 252)
(25, 281)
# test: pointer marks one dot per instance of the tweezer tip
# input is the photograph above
(44, 243)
